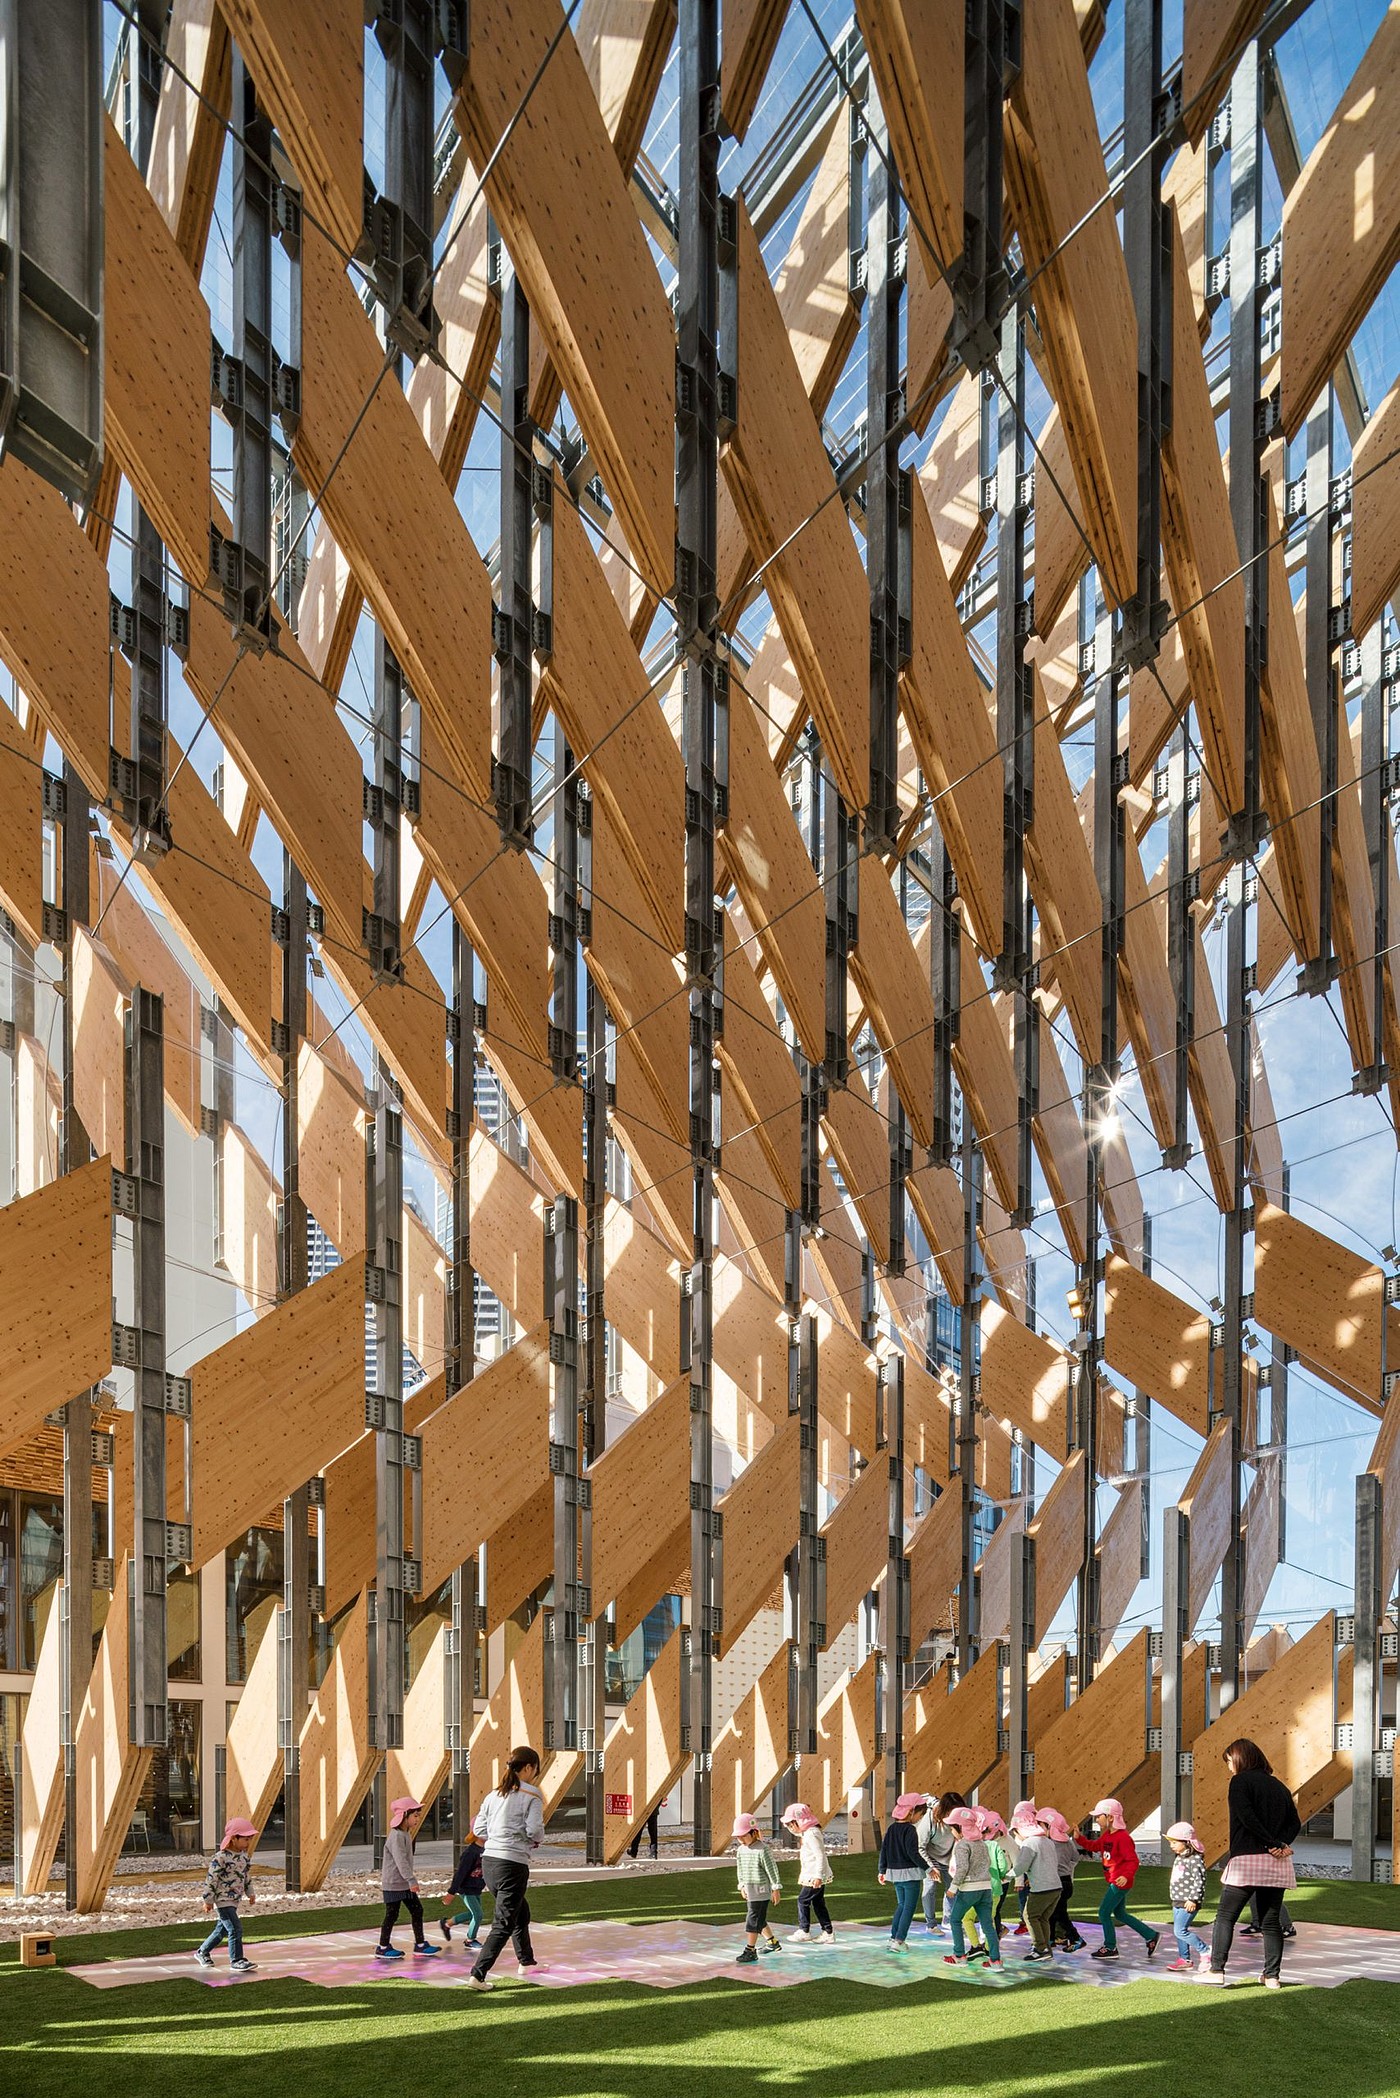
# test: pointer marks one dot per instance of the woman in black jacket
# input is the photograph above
(1263, 1825)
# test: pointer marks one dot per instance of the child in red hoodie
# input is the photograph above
(1120, 1863)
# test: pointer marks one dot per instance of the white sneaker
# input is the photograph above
(797, 1937)
(1272, 1981)
(480, 1981)
(828, 1937)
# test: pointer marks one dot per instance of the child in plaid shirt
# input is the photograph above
(229, 1880)
(1188, 1886)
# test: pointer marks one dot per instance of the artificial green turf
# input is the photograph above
(715, 2040)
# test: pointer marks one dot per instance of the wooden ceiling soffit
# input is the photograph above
(1055, 173)
(562, 203)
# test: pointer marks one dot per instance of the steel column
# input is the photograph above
(75, 1149)
(513, 618)
(894, 1628)
(594, 1408)
(145, 1167)
(1366, 1674)
(1015, 717)
(294, 1622)
(886, 497)
(459, 1305)
(1176, 1631)
(1319, 971)
(969, 1318)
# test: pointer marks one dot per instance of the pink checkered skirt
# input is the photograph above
(1259, 1870)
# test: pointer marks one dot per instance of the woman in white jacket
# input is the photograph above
(814, 1874)
(510, 1825)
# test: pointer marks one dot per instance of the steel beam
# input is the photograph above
(593, 1411)
(887, 540)
(151, 1549)
(513, 618)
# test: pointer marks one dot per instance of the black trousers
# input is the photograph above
(1267, 1903)
(651, 1822)
(507, 1881)
(812, 1901)
(392, 1904)
(1062, 1930)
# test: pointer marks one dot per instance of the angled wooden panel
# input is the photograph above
(484, 1453)
(642, 1756)
(1055, 174)
(1062, 552)
(916, 56)
(641, 1489)
(857, 1540)
(1375, 514)
(1289, 1712)
(520, 1555)
(846, 1742)
(898, 998)
(21, 827)
(994, 1575)
(935, 1568)
(950, 1734)
(1100, 1741)
(110, 1771)
(251, 1197)
(1155, 1341)
(950, 480)
(40, 1806)
(1214, 33)
(276, 1404)
(624, 46)
(338, 1764)
(1206, 1503)
(561, 200)
(751, 32)
(308, 63)
(1024, 1377)
(666, 1571)
(55, 1296)
(813, 282)
(330, 1149)
(513, 1715)
(761, 1087)
(188, 137)
(1261, 1556)
(350, 1488)
(1324, 1300)
(507, 1230)
(99, 1045)
(751, 1749)
(1120, 1558)
(253, 1752)
(760, 1514)
(1058, 1531)
(420, 1769)
(142, 953)
(1341, 225)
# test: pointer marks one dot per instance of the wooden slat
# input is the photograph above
(1375, 514)
(99, 1045)
(21, 828)
(642, 1756)
(483, 1454)
(276, 1404)
(1206, 1504)
(338, 1764)
(561, 201)
(1058, 1531)
(1289, 1712)
(760, 1514)
(1055, 174)
(55, 1296)
(916, 57)
(1024, 1377)
(1324, 1300)
(641, 1489)
(994, 1574)
(950, 1735)
(520, 1556)
(1341, 225)
(308, 63)
(951, 484)
(1261, 1513)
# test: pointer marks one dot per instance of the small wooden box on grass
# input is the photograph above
(36, 1949)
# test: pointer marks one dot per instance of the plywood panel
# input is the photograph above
(99, 1045)
(350, 1489)
(751, 32)
(1321, 1298)
(641, 1489)
(1206, 1502)
(144, 956)
(846, 1749)
(484, 1453)
(1261, 1512)
(520, 1555)
(935, 1568)
(55, 1296)
(1058, 1531)
(760, 1514)
(916, 56)
(994, 1575)
(1341, 225)
(420, 1769)
(253, 1756)
(250, 1217)
(338, 1764)
(21, 828)
(514, 1714)
(308, 62)
(1055, 175)
(1214, 33)
(642, 1756)
(813, 280)
(1289, 1712)
(276, 1404)
(1156, 1342)
(950, 481)
(507, 1230)
(898, 999)
(1120, 1558)
(41, 1804)
(188, 136)
(950, 1735)
(1095, 1748)
(110, 1771)
(1024, 1377)
(561, 200)
(751, 1749)
(857, 1541)
(331, 1149)
(1375, 514)
(761, 1087)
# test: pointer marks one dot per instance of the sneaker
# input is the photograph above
(1215, 1976)
(747, 1958)
(1153, 1942)
(446, 1928)
(529, 1966)
(797, 1937)
(1076, 1944)
(1250, 1930)
(771, 1945)
(205, 1959)
(425, 1951)
(1104, 1952)
(828, 1937)
(976, 1952)
(1027, 1957)
(480, 1981)
(953, 1959)
(471, 1937)
(899, 1945)
(1272, 1981)
(387, 1952)
(991, 1964)
(1290, 1932)
(1179, 1967)
(1022, 1930)
(242, 1967)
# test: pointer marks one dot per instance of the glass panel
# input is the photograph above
(40, 1569)
(182, 1626)
(253, 1575)
(628, 1663)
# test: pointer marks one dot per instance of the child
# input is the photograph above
(999, 1861)
(464, 1895)
(230, 1880)
(1064, 1933)
(1038, 1871)
(1024, 1821)
(936, 1840)
(902, 1865)
(1120, 1864)
(1188, 1884)
(970, 1881)
(400, 1881)
(759, 1884)
(814, 1873)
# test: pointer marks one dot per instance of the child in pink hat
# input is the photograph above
(814, 1874)
(229, 1881)
(970, 1882)
(400, 1881)
(1115, 1845)
(1064, 1932)
(902, 1864)
(760, 1884)
(1187, 1891)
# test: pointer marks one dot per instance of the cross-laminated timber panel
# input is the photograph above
(916, 57)
(1055, 177)
(1100, 1741)
(641, 1490)
(111, 1771)
(846, 1741)
(761, 1520)
(275, 1405)
(751, 1749)
(484, 1453)
(338, 1763)
(55, 1296)
(308, 63)
(1325, 1301)
(1341, 225)
(950, 1729)
(350, 1488)
(21, 827)
(1206, 1505)
(934, 1553)
(560, 198)
(187, 138)
(1058, 1534)
(1292, 1712)
(1156, 1342)
(253, 1763)
(1375, 514)
(750, 37)
(857, 1540)
(1214, 33)
(642, 1756)
(39, 1807)
(515, 1714)
(420, 1769)
(1120, 1558)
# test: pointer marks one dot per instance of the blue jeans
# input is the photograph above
(935, 1894)
(906, 1895)
(1188, 1940)
(228, 1926)
(468, 1905)
(979, 1905)
(1113, 1910)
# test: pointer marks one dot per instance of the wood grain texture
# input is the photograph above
(934, 1553)
(916, 56)
(760, 1514)
(642, 1756)
(188, 136)
(1058, 1534)
(1120, 1558)
(641, 1490)
(420, 1769)
(338, 1764)
(1155, 1341)
(41, 1802)
(846, 1749)
(308, 62)
(1375, 514)
(55, 1296)
(1324, 1300)
(110, 1771)
(751, 1749)
(1206, 1504)
(1098, 1744)
(751, 32)
(252, 1752)
(1289, 1712)
(950, 1733)
(857, 1541)
(21, 827)
(484, 1453)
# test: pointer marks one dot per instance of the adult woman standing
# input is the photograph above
(510, 1825)
(1263, 1825)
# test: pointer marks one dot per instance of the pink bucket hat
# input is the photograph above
(744, 1825)
(910, 1803)
(1183, 1832)
(1024, 1814)
(239, 1826)
(400, 1809)
(799, 1815)
(966, 1820)
(1114, 1809)
(1055, 1826)
(992, 1823)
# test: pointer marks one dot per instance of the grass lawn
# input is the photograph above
(714, 2040)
